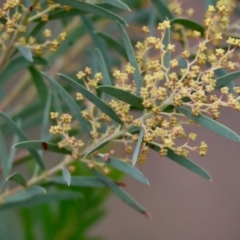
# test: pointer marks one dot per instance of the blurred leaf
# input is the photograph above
(93, 98)
(37, 28)
(138, 146)
(4, 156)
(210, 2)
(189, 24)
(162, 10)
(211, 125)
(46, 117)
(22, 137)
(120, 193)
(79, 181)
(96, 147)
(17, 64)
(220, 73)
(18, 178)
(126, 168)
(185, 162)
(122, 95)
(118, 4)
(40, 199)
(106, 78)
(12, 153)
(166, 41)
(56, 102)
(76, 111)
(66, 176)
(26, 52)
(39, 84)
(41, 145)
(112, 43)
(152, 21)
(131, 57)
(92, 9)
(226, 79)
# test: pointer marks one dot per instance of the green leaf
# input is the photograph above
(4, 156)
(103, 67)
(167, 55)
(162, 10)
(66, 176)
(118, 4)
(79, 181)
(120, 193)
(112, 43)
(189, 24)
(224, 80)
(39, 83)
(182, 161)
(96, 147)
(56, 102)
(122, 95)
(211, 125)
(40, 199)
(92, 9)
(131, 57)
(220, 73)
(18, 178)
(138, 146)
(22, 137)
(26, 52)
(70, 102)
(94, 99)
(17, 64)
(126, 168)
(46, 117)
(41, 145)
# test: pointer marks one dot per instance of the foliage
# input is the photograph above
(136, 90)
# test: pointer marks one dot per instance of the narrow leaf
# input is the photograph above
(66, 176)
(45, 121)
(189, 24)
(183, 161)
(92, 9)
(131, 57)
(162, 10)
(22, 137)
(56, 102)
(226, 79)
(18, 178)
(26, 52)
(39, 83)
(126, 168)
(3, 156)
(118, 4)
(94, 99)
(40, 199)
(69, 101)
(112, 43)
(120, 193)
(96, 147)
(41, 145)
(137, 148)
(211, 125)
(167, 55)
(103, 67)
(17, 64)
(79, 181)
(122, 95)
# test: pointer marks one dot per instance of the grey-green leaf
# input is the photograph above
(126, 168)
(17, 64)
(167, 55)
(66, 176)
(96, 147)
(118, 4)
(18, 178)
(4, 156)
(94, 99)
(132, 58)
(79, 181)
(189, 24)
(224, 80)
(211, 125)
(162, 9)
(26, 52)
(92, 9)
(122, 95)
(185, 162)
(137, 148)
(22, 137)
(41, 145)
(121, 193)
(40, 199)
(69, 101)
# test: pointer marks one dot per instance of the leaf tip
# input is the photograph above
(147, 215)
